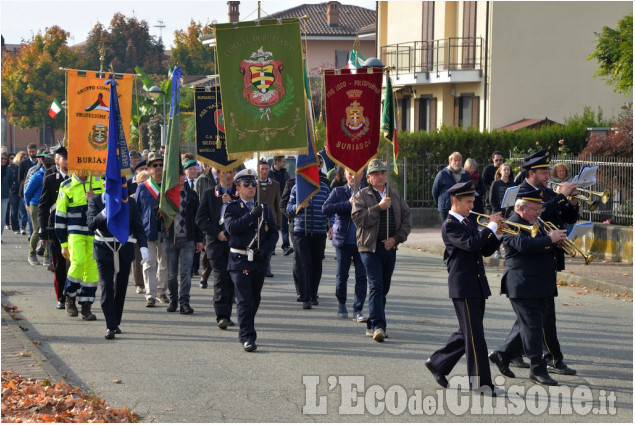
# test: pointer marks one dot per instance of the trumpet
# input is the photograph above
(568, 246)
(512, 228)
(593, 205)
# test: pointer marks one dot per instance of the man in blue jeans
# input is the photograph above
(340, 204)
(382, 218)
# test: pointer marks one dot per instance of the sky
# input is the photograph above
(21, 20)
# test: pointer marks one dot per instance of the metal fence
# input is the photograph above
(415, 182)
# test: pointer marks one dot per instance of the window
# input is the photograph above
(427, 113)
(466, 111)
(341, 58)
(403, 106)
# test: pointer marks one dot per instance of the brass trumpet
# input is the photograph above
(593, 205)
(568, 246)
(513, 228)
(604, 196)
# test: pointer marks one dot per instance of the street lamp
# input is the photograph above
(155, 92)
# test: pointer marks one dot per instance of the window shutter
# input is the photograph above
(457, 108)
(475, 111)
(433, 114)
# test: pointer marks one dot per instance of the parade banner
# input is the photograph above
(88, 97)
(210, 129)
(261, 80)
(352, 116)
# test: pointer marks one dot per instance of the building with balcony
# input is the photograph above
(487, 64)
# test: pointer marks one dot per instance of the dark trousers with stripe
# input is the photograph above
(113, 289)
(532, 315)
(248, 286)
(468, 340)
(513, 345)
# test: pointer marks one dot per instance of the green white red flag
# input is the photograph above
(56, 107)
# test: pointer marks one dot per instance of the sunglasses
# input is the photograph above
(247, 184)
(498, 160)
(155, 165)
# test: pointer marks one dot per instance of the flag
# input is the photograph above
(210, 129)
(117, 169)
(56, 107)
(388, 122)
(170, 201)
(307, 182)
(353, 114)
(355, 59)
(260, 73)
(87, 115)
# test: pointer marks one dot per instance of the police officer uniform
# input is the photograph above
(46, 219)
(557, 210)
(209, 218)
(114, 259)
(247, 263)
(468, 288)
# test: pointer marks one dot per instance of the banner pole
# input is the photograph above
(387, 172)
(258, 195)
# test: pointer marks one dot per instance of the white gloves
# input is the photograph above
(144, 255)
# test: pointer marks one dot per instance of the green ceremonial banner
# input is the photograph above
(261, 79)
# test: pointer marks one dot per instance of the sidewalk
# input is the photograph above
(603, 275)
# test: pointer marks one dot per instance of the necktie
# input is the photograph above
(191, 184)
(468, 224)
(250, 205)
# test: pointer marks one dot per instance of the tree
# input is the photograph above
(189, 51)
(31, 78)
(127, 43)
(614, 53)
(618, 142)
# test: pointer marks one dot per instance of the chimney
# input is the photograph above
(233, 12)
(333, 14)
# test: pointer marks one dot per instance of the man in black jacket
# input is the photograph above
(280, 174)
(468, 287)
(46, 219)
(529, 281)
(209, 219)
(114, 259)
(181, 239)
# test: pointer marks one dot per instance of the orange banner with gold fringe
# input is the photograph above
(87, 97)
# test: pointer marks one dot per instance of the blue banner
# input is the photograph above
(117, 169)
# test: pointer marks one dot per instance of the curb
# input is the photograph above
(23, 338)
(563, 276)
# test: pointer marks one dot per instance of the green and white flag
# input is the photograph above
(262, 92)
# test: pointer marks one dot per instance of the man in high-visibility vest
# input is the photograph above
(71, 228)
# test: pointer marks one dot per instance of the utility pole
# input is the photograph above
(160, 26)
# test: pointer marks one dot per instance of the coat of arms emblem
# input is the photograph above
(262, 79)
(355, 124)
(98, 136)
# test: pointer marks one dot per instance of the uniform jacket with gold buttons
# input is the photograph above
(464, 251)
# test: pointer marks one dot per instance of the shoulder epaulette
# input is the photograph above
(66, 182)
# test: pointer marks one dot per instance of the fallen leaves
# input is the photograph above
(26, 400)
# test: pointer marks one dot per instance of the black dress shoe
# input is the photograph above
(306, 305)
(519, 362)
(172, 307)
(561, 369)
(438, 376)
(110, 334)
(223, 323)
(298, 298)
(117, 330)
(496, 358)
(314, 301)
(203, 284)
(249, 346)
(231, 323)
(268, 274)
(186, 309)
(542, 379)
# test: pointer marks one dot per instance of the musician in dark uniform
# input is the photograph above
(557, 209)
(464, 251)
(248, 254)
(529, 281)
(114, 272)
(209, 218)
(46, 219)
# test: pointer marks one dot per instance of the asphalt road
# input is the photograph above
(311, 366)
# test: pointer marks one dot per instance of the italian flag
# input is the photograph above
(56, 107)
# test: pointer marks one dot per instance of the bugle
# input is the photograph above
(567, 246)
(593, 205)
(512, 228)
